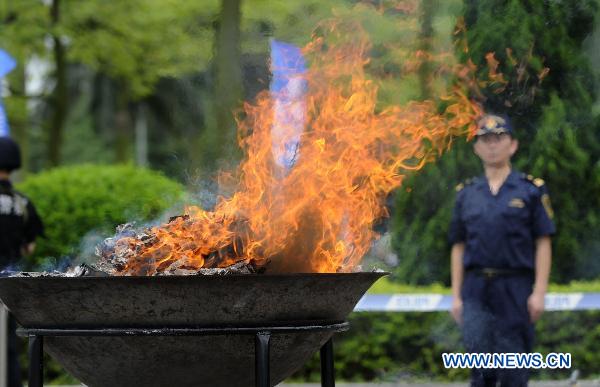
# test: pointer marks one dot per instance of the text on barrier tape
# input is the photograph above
(442, 302)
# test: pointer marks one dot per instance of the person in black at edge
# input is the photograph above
(19, 226)
(501, 254)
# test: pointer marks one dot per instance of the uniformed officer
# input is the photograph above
(501, 254)
(19, 227)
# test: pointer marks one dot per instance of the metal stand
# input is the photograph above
(327, 370)
(36, 361)
(262, 340)
(261, 359)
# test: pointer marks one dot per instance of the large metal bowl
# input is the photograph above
(182, 301)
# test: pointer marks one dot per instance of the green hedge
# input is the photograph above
(396, 346)
(408, 346)
(79, 201)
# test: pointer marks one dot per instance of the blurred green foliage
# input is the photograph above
(114, 38)
(408, 346)
(81, 204)
(558, 130)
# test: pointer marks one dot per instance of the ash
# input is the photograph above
(85, 270)
(113, 256)
(82, 270)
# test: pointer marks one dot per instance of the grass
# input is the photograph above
(386, 286)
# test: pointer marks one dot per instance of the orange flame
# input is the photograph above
(318, 216)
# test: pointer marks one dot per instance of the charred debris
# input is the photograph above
(113, 257)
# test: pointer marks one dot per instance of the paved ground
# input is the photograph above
(565, 383)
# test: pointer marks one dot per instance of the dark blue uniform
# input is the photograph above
(19, 226)
(499, 232)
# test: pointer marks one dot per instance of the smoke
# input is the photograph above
(381, 255)
(52, 264)
(11, 268)
(85, 251)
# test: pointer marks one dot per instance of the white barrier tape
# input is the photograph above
(442, 302)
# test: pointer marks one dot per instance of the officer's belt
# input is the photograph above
(491, 272)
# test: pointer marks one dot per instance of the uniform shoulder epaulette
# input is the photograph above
(463, 184)
(534, 180)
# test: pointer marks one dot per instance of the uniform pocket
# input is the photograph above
(472, 215)
(472, 219)
(516, 213)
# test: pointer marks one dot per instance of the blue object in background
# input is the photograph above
(7, 64)
(288, 88)
(4, 128)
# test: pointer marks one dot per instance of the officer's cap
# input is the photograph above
(491, 123)
(10, 154)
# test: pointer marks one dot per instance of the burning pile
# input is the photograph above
(119, 252)
(315, 212)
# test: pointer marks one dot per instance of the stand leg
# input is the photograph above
(36, 361)
(327, 370)
(261, 359)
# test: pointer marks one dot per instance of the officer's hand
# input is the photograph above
(457, 310)
(535, 305)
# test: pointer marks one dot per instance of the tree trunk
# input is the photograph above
(141, 136)
(426, 45)
(123, 128)
(59, 99)
(18, 112)
(228, 83)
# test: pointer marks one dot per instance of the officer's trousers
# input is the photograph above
(496, 320)
(14, 369)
